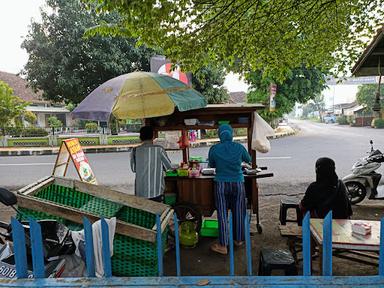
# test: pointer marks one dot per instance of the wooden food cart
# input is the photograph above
(198, 191)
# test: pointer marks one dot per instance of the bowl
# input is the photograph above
(189, 122)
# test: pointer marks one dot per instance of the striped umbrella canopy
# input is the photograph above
(138, 95)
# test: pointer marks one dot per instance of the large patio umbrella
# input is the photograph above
(138, 95)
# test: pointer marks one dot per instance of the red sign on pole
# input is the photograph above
(272, 94)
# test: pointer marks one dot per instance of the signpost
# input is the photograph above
(71, 149)
(272, 94)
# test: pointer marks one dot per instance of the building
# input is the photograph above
(237, 97)
(41, 108)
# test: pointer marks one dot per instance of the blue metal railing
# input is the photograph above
(162, 281)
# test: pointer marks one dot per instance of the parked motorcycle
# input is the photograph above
(57, 242)
(364, 180)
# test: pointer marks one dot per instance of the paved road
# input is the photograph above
(291, 159)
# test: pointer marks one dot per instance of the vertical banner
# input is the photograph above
(272, 95)
(161, 65)
(71, 149)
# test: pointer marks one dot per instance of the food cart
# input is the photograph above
(196, 193)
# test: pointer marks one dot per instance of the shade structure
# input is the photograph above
(138, 95)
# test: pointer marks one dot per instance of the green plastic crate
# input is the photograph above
(132, 257)
(210, 228)
(170, 199)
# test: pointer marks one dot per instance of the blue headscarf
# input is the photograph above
(227, 149)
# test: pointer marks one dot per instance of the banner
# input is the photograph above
(161, 65)
(71, 149)
(272, 95)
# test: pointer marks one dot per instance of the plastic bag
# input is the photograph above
(261, 130)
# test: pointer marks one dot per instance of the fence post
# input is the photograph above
(18, 236)
(106, 249)
(89, 254)
(248, 243)
(306, 245)
(231, 256)
(381, 259)
(327, 245)
(159, 246)
(37, 249)
(177, 244)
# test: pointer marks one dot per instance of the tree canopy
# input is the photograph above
(11, 106)
(250, 35)
(366, 95)
(64, 64)
(209, 81)
(300, 86)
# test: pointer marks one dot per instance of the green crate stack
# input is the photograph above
(137, 217)
(131, 257)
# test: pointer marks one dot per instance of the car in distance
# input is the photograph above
(329, 118)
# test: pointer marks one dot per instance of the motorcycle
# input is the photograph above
(364, 180)
(57, 243)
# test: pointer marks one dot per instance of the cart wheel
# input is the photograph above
(259, 228)
(188, 212)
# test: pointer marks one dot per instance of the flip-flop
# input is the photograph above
(218, 249)
(238, 243)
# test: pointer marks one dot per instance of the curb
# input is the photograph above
(36, 151)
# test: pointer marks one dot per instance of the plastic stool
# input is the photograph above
(287, 203)
(276, 259)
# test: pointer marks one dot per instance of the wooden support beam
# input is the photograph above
(76, 216)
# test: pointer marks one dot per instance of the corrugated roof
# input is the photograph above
(237, 97)
(20, 88)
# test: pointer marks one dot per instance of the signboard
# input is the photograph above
(71, 149)
(272, 95)
(161, 65)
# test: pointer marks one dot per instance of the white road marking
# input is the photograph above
(274, 158)
(27, 164)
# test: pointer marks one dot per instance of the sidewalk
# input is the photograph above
(25, 151)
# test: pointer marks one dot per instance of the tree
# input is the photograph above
(366, 95)
(53, 122)
(251, 35)
(300, 86)
(11, 106)
(209, 81)
(64, 64)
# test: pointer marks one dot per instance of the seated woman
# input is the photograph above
(327, 193)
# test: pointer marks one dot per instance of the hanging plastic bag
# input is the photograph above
(261, 130)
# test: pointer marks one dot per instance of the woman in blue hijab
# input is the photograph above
(227, 157)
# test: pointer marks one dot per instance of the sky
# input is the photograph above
(15, 16)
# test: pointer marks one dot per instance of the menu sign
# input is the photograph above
(71, 149)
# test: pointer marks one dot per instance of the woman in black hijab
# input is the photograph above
(327, 193)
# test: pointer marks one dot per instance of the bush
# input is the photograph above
(240, 132)
(34, 132)
(26, 132)
(378, 123)
(91, 127)
(53, 122)
(342, 120)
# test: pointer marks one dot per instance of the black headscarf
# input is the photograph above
(326, 172)
(327, 193)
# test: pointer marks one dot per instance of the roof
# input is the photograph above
(21, 89)
(43, 109)
(367, 64)
(237, 97)
(345, 105)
